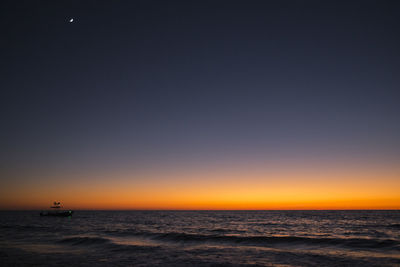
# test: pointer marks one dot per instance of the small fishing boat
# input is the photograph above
(57, 211)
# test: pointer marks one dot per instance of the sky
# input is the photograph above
(200, 104)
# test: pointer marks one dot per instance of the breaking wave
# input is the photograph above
(266, 241)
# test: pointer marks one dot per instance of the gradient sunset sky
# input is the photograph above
(200, 104)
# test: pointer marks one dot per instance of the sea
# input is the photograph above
(201, 238)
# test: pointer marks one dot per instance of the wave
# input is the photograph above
(221, 231)
(85, 240)
(268, 241)
(104, 244)
(258, 241)
(262, 240)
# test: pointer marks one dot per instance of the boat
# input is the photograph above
(57, 211)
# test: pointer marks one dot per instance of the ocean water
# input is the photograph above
(201, 238)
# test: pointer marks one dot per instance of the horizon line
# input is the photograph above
(371, 209)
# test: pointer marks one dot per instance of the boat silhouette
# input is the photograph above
(57, 211)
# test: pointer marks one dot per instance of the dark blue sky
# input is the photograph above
(151, 82)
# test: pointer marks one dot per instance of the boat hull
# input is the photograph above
(57, 213)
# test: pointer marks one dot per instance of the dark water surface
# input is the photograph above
(201, 238)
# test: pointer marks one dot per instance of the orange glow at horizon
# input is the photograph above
(301, 188)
